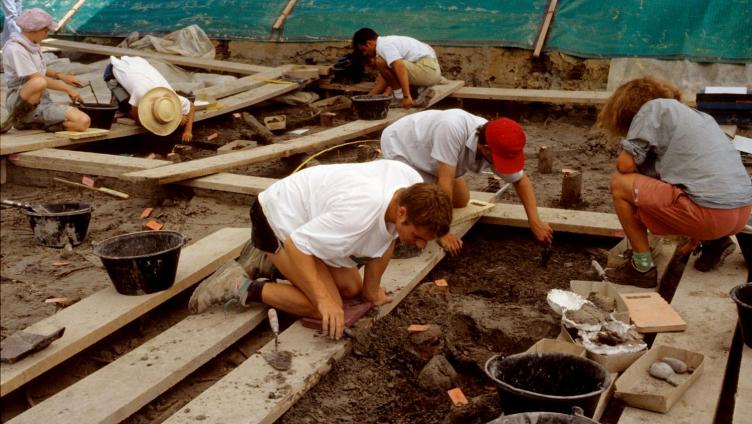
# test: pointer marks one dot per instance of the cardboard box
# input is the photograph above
(603, 288)
(551, 345)
(637, 388)
(613, 363)
(276, 122)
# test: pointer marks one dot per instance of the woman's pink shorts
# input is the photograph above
(666, 210)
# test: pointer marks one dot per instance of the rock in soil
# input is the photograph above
(426, 344)
(438, 375)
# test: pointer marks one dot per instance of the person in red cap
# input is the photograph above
(443, 145)
(28, 80)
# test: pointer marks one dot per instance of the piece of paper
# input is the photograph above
(743, 144)
(725, 90)
(299, 131)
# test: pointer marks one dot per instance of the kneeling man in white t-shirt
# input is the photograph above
(401, 61)
(317, 226)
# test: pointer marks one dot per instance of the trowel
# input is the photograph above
(279, 360)
(25, 206)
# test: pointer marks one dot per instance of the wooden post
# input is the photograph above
(545, 160)
(544, 27)
(327, 119)
(68, 15)
(571, 188)
(3, 171)
(258, 129)
(283, 16)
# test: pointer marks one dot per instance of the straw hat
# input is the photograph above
(160, 111)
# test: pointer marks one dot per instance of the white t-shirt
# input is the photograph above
(336, 212)
(394, 47)
(423, 139)
(137, 77)
(21, 58)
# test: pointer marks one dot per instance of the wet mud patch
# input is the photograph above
(495, 304)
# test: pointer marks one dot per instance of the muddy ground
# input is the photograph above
(492, 307)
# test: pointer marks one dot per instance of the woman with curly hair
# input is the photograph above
(676, 174)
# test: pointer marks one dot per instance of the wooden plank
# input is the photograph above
(743, 405)
(121, 388)
(569, 221)
(703, 300)
(77, 135)
(283, 16)
(105, 311)
(193, 62)
(23, 141)
(544, 28)
(500, 93)
(114, 165)
(242, 84)
(211, 165)
(313, 357)
(247, 98)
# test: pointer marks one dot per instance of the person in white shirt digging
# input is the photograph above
(316, 227)
(153, 103)
(444, 145)
(401, 62)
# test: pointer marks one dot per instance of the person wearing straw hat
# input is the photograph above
(153, 103)
(28, 80)
(444, 145)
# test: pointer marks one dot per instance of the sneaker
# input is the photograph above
(424, 97)
(230, 282)
(255, 262)
(713, 252)
(626, 274)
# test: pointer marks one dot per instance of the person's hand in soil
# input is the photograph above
(332, 318)
(187, 137)
(379, 298)
(542, 232)
(451, 243)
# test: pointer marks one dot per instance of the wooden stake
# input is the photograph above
(283, 16)
(571, 188)
(544, 28)
(69, 15)
(105, 190)
(545, 160)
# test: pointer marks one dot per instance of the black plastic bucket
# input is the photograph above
(65, 223)
(742, 295)
(101, 114)
(542, 418)
(371, 107)
(142, 262)
(745, 244)
(549, 382)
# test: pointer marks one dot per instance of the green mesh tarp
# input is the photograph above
(700, 30)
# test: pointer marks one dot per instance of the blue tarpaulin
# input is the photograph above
(700, 30)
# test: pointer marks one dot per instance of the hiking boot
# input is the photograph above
(230, 282)
(626, 274)
(424, 97)
(255, 262)
(21, 109)
(713, 252)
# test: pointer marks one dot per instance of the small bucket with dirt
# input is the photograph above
(142, 262)
(60, 223)
(371, 107)
(547, 382)
(742, 295)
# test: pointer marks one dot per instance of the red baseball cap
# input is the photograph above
(506, 139)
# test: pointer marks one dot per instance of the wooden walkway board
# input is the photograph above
(254, 381)
(23, 142)
(570, 221)
(703, 300)
(121, 388)
(193, 62)
(743, 405)
(105, 311)
(211, 165)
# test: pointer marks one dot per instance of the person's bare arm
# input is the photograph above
(625, 163)
(540, 229)
(332, 314)
(404, 81)
(57, 85)
(445, 181)
(188, 122)
(374, 270)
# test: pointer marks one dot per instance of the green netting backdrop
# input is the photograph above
(709, 30)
